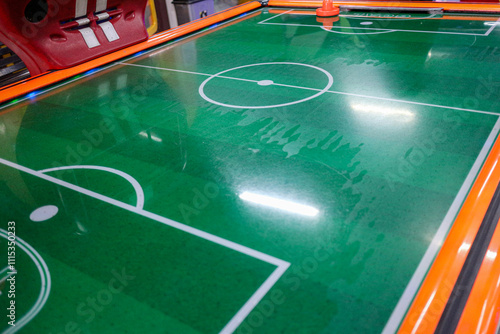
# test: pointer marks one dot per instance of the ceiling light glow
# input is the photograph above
(278, 203)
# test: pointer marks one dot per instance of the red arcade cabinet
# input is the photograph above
(55, 34)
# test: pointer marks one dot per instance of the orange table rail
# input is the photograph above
(482, 311)
(428, 305)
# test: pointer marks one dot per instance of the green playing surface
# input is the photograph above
(273, 174)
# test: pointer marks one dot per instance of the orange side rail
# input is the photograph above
(482, 310)
(427, 308)
(447, 6)
(29, 85)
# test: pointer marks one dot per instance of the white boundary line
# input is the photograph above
(411, 289)
(361, 28)
(253, 301)
(369, 18)
(282, 266)
(3, 271)
(137, 187)
(380, 29)
(492, 27)
(318, 90)
(45, 282)
(392, 18)
(272, 17)
(355, 33)
(416, 103)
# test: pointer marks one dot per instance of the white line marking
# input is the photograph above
(388, 18)
(381, 29)
(217, 75)
(45, 282)
(492, 27)
(421, 271)
(386, 30)
(150, 215)
(209, 75)
(256, 297)
(137, 186)
(318, 90)
(4, 270)
(272, 17)
(169, 69)
(374, 17)
(416, 103)
(355, 33)
(254, 300)
(5, 274)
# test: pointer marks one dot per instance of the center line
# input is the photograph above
(317, 89)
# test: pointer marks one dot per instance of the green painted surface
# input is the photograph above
(381, 173)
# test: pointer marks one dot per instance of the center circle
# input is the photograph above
(266, 83)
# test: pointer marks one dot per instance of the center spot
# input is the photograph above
(265, 82)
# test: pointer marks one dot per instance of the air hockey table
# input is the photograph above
(261, 170)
